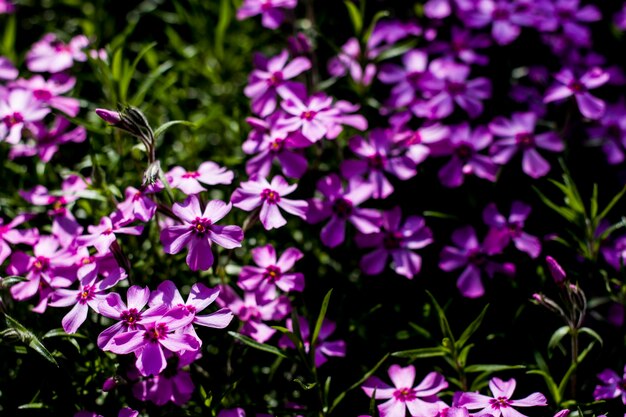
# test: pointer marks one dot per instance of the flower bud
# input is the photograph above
(109, 116)
(558, 274)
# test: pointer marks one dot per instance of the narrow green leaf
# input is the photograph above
(593, 205)
(320, 317)
(372, 25)
(556, 337)
(32, 406)
(6, 282)
(462, 358)
(471, 329)
(161, 129)
(429, 352)
(355, 16)
(395, 51)
(256, 345)
(611, 204)
(8, 38)
(572, 369)
(129, 71)
(592, 333)
(223, 22)
(61, 333)
(552, 387)
(492, 368)
(305, 385)
(443, 321)
(566, 213)
(357, 384)
(149, 80)
(27, 336)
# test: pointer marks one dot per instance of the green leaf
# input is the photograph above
(357, 384)
(564, 212)
(443, 321)
(149, 80)
(395, 51)
(429, 352)
(492, 368)
(611, 204)
(61, 333)
(471, 329)
(372, 25)
(556, 337)
(592, 333)
(6, 282)
(8, 39)
(256, 345)
(127, 76)
(572, 369)
(355, 16)
(223, 22)
(552, 387)
(593, 207)
(320, 317)
(306, 386)
(27, 336)
(161, 129)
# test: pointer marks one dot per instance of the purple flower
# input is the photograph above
(398, 241)
(272, 272)
(45, 141)
(49, 92)
(278, 145)
(570, 85)
(18, 109)
(471, 256)
(7, 69)
(571, 18)
(557, 272)
(323, 347)
(342, 206)
(501, 402)
(272, 16)
(418, 142)
(518, 135)
(270, 196)
(52, 55)
(408, 80)
(349, 61)
(377, 156)
(157, 334)
(103, 235)
(9, 234)
(255, 308)
(613, 387)
(199, 231)
(463, 46)
(610, 133)
(137, 204)
(503, 230)
(420, 400)
(271, 78)
(189, 181)
(463, 145)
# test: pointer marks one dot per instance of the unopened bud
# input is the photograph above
(558, 274)
(109, 116)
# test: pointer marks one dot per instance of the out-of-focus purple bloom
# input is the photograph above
(198, 231)
(570, 85)
(271, 78)
(398, 241)
(450, 86)
(376, 157)
(342, 206)
(6, 7)
(103, 235)
(7, 69)
(189, 181)
(418, 142)
(502, 230)
(255, 308)
(18, 109)
(323, 347)
(501, 402)
(10, 235)
(270, 11)
(408, 80)
(270, 196)
(272, 272)
(299, 44)
(619, 19)
(420, 400)
(464, 145)
(557, 272)
(278, 145)
(463, 45)
(52, 55)
(138, 205)
(568, 16)
(470, 255)
(45, 142)
(507, 18)
(610, 132)
(232, 412)
(49, 92)
(388, 32)
(349, 61)
(518, 135)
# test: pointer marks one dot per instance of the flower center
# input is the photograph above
(41, 263)
(376, 162)
(86, 294)
(464, 151)
(405, 394)
(500, 402)
(392, 240)
(576, 86)
(270, 196)
(86, 260)
(275, 79)
(131, 317)
(156, 333)
(248, 312)
(342, 208)
(476, 257)
(136, 197)
(277, 145)
(455, 88)
(515, 229)
(308, 115)
(191, 174)
(200, 226)
(11, 120)
(525, 140)
(272, 273)
(43, 95)
(500, 14)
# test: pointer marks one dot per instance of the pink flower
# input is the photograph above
(198, 231)
(9, 234)
(52, 55)
(614, 386)
(272, 16)
(103, 235)
(501, 402)
(18, 109)
(503, 230)
(49, 92)
(569, 85)
(189, 181)
(271, 272)
(138, 205)
(270, 196)
(420, 400)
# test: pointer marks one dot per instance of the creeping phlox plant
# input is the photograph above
(260, 206)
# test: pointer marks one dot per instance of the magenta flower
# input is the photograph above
(570, 85)
(281, 146)
(314, 117)
(199, 231)
(408, 80)
(254, 309)
(46, 141)
(398, 241)
(189, 181)
(10, 235)
(376, 157)
(323, 347)
(418, 142)
(272, 272)
(610, 133)
(501, 402)
(470, 255)
(349, 61)
(270, 78)
(518, 135)
(138, 205)
(7, 69)
(503, 230)
(52, 55)
(272, 15)
(464, 146)
(18, 109)
(270, 196)
(103, 235)
(49, 92)
(464, 46)
(613, 387)
(342, 206)
(420, 400)
(149, 343)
